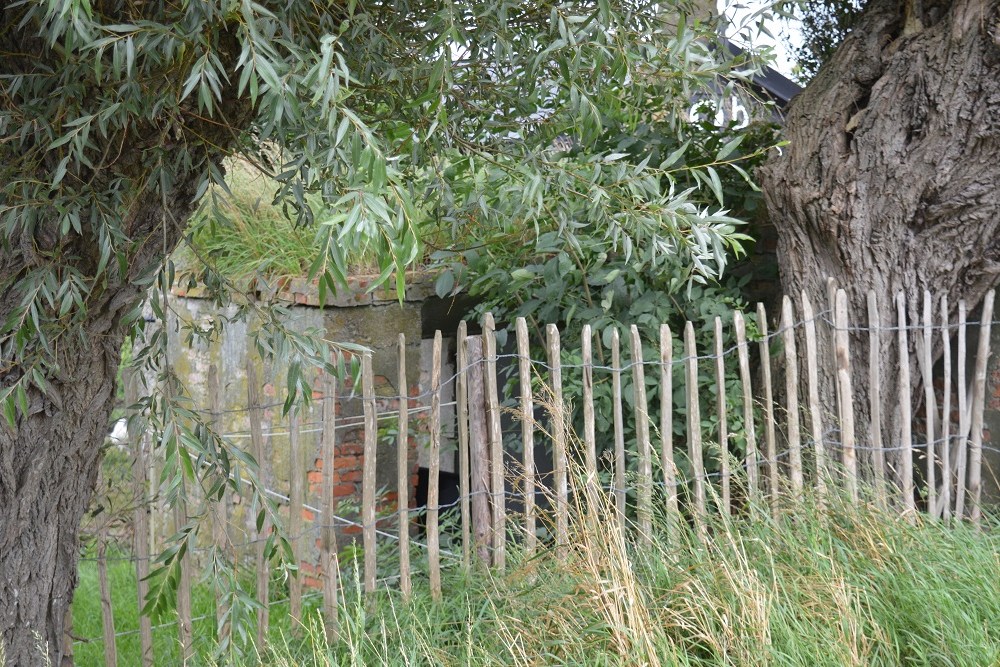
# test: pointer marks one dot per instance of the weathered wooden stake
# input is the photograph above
(143, 505)
(328, 551)
(264, 523)
(961, 467)
(559, 458)
(368, 472)
(792, 398)
(694, 433)
(589, 435)
(722, 411)
(619, 422)
(645, 478)
(875, 400)
(752, 458)
(527, 434)
(462, 399)
(220, 506)
(479, 453)
(403, 472)
(107, 613)
(296, 525)
(769, 437)
(946, 472)
(434, 475)
(812, 378)
(498, 479)
(184, 629)
(667, 430)
(905, 415)
(978, 405)
(930, 401)
(845, 394)
(156, 506)
(830, 369)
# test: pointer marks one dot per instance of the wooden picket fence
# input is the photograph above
(785, 445)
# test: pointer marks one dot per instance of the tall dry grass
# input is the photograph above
(824, 584)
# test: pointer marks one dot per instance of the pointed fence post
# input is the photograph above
(260, 536)
(770, 440)
(978, 405)
(143, 506)
(946, 470)
(368, 473)
(667, 430)
(559, 458)
(403, 471)
(221, 505)
(830, 370)
(645, 477)
(184, 613)
(905, 414)
(296, 525)
(930, 401)
(498, 480)
(812, 381)
(462, 400)
(434, 475)
(527, 434)
(875, 402)
(845, 393)
(328, 543)
(107, 613)
(722, 410)
(961, 464)
(479, 453)
(589, 435)
(792, 398)
(619, 423)
(749, 428)
(695, 453)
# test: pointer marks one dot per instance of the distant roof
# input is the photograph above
(777, 85)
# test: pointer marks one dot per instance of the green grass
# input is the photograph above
(834, 585)
(166, 644)
(257, 237)
(121, 577)
(253, 237)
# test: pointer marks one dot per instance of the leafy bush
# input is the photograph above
(631, 214)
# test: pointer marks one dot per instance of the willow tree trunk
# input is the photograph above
(128, 194)
(50, 461)
(891, 179)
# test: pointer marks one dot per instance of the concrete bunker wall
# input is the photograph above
(373, 319)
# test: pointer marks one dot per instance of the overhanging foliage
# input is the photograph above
(400, 116)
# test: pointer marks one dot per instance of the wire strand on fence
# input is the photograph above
(386, 415)
(833, 443)
(822, 316)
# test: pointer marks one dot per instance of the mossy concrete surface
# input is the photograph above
(368, 318)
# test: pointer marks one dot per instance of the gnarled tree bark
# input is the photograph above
(891, 180)
(49, 463)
